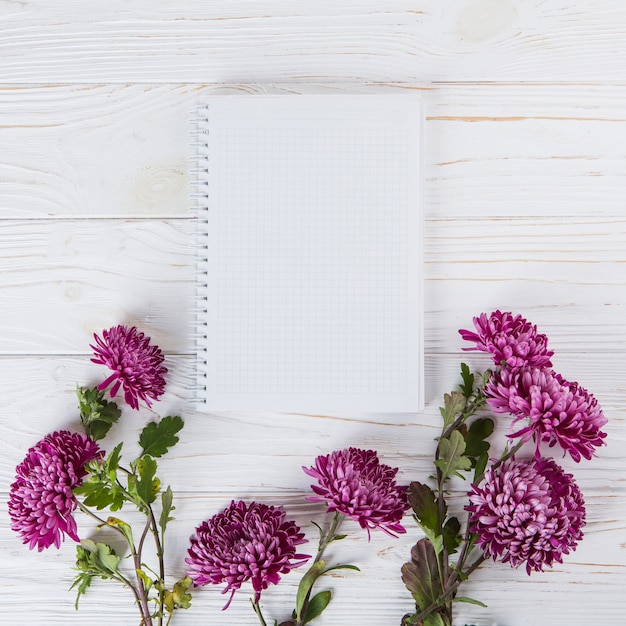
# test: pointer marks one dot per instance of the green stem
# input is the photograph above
(329, 536)
(257, 610)
(444, 597)
(143, 596)
(139, 591)
(325, 539)
(160, 549)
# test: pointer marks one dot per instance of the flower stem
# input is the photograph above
(257, 609)
(159, 543)
(329, 536)
(444, 597)
(138, 591)
(326, 538)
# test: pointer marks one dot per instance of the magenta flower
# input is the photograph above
(558, 412)
(136, 364)
(355, 483)
(509, 339)
(527, 512)
(41, 502)
(245, 542)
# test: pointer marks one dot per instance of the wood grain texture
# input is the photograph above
(524, 186)
(214, 463)
(225, 41)
(490, 149)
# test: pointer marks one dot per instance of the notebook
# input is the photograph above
(310, 270)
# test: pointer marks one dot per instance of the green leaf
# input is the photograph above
(97, 414)
(422, 500)
(434, 619)
(147, 581)
(178, 598)
(451, 459)
(147, 486)
(467, 386)
(81, 583)
(454, 404)
(166, 508)
(107, 558)
(451, 534)
(306, 584)
(316, 605)
(334, 567)
(123, 527)
(481, 465)
(421, 574)
(479, 430)
(112, 461)
(100, 489)
(97, 559)
(469, 601)
(436, 539)
(158, 437)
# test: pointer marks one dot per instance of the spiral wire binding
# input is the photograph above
(199, 208)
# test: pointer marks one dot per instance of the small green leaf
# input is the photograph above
(123, 527)
(158, 437)
(81, 583)
(469, 601)
(166, 508)
(107, 558)
(334, 567)
(316, 605)
(434, 619)
(112, 461)
(100, 489)
(97, 559)
(147, 581)
(306, 584)
(451, 458)
(467, 386)
(451, 536)
(421, 574)
(454, 404)
(475, 440)
(97, 414)
(481, 465)
(422, 500)
(147, 486)
(178, 598)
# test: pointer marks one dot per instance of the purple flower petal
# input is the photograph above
(527, 512)
(41, 502)
(556, 411)
(245, 542)
(135, 363)
(509, 339)
(355, 483)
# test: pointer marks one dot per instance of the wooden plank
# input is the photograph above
(375, 594)
(39, 398)
(358, 40)
(490, 150)
(92, 274)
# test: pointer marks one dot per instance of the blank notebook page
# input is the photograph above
(312, 255)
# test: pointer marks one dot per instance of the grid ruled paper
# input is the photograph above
(314, 261)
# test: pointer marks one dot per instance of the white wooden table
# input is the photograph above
(525, 192)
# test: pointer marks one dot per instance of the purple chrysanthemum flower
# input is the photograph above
(136, 364)
(527, 512)
(41, 502)
(245, 542)
(355, 483)
(509, 339)
(558, 412)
